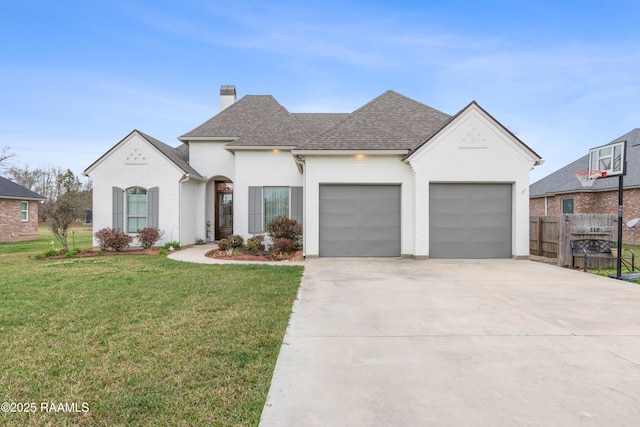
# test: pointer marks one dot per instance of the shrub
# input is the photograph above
(223, 244)
(176, 245)
(148, 236)
(235, 241)
(74, 251)
(50, 253)
(281, 246)
(254, 245)
(114, 239)
(283, 227)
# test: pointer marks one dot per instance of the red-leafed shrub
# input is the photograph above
(283, 227)
(281, 246)
(114, 239)
(148, 236)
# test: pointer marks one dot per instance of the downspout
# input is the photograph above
(182, 180)
(300, 163)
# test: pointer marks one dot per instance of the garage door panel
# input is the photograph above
(470, 220)
(359, 220)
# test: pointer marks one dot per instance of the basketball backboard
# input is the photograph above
(609, 158)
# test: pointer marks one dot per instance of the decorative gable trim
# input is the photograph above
(472, 141)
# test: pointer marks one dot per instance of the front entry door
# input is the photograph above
(224, 210)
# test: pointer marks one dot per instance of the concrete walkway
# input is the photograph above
(457, 343)
(197, 253)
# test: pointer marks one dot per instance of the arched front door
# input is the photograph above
(224, 210)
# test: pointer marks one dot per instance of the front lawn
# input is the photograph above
(138, 340)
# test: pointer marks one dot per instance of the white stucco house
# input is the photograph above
(393, 178)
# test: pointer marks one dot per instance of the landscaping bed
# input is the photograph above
(99, 252)
(263, 257)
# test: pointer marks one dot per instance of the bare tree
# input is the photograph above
(53, 183)
(64, 211)
(5, 155)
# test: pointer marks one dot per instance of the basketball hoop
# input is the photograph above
(588, 177)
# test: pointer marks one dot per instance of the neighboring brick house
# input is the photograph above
(562, 193)
(18, 212)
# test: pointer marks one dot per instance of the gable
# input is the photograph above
(140, 149)
(475, 136)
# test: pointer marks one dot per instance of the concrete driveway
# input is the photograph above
(376, 342)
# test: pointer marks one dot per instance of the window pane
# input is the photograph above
(567, 206)
(135, 224)
(136, 209)
(276, 203)
(24, 214)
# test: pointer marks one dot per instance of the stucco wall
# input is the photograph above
(210, 158)
(357, 169)
(12, 228)
(259, 168)
(136, 163)
(473, 149)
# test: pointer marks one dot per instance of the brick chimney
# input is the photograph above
(227, 96)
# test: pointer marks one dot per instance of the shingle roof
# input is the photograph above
(389, 122)
(317, 123)
(176, 155)
(236, 120)
(564, 180)
(11, 190)
(279, 129)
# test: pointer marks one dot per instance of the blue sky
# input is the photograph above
(78, 76)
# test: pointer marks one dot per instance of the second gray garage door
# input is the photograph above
(470, 221)
(359, 220)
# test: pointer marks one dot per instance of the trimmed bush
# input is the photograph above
(283, 227)
(254, 245)
(235, 241)
(223, 244)
(281, 246)
(148, 236)
(114, 239)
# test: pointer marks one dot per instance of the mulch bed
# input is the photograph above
(218, 254)
(95, 253)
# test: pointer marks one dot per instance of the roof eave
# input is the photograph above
(338, 152)
(187, 139)
(31, 198)
(259, 147)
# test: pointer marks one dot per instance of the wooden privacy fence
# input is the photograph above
(550, 236)
(544, 232)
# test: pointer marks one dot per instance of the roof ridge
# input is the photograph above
(392, 98)
(288, 122)
(229, 110)
(313, 138)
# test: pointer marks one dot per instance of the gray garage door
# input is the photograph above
(470, 220)
(360, 220)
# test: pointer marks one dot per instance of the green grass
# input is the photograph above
(143, 340)
(608, 272)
